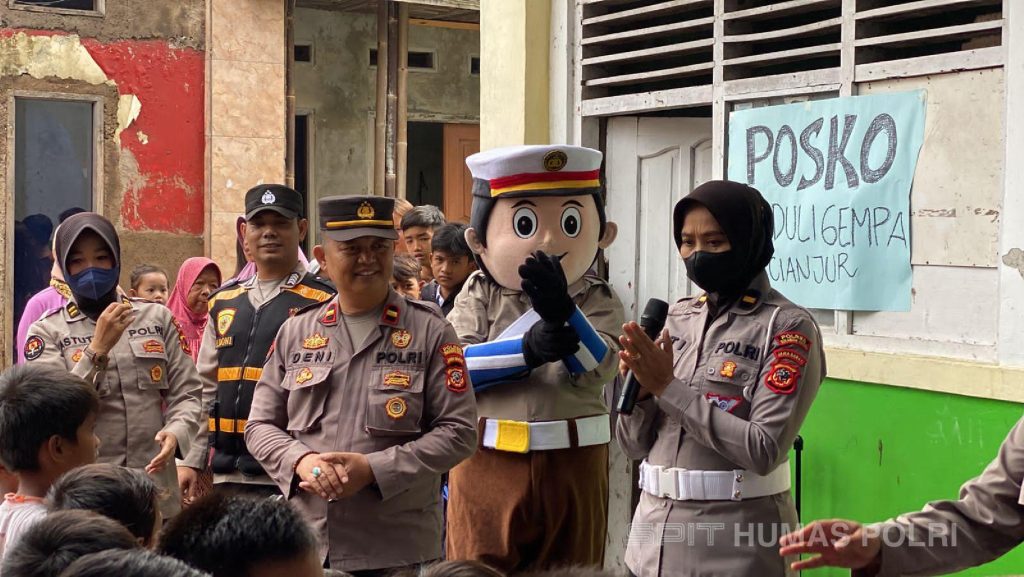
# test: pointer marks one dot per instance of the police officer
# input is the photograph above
(130, 349)
(945, 537)
(244, 319)
(364, 403)
(726, 386)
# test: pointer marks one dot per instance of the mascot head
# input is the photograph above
(530, 198)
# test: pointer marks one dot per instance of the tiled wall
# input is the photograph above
(245, 132)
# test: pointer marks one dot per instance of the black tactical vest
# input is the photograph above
(243, 338)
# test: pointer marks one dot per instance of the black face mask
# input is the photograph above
(716, 272)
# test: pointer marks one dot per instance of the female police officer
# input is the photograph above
(724, 391)
(131, 350)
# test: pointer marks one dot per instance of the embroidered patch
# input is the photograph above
(181, 337)
(723, 402)
(397, 379)
(304, 376)
(401, 338)
(224, 342)
(455, 379)
(728, 369)
(453, 355)
(153, 346)
(292, 280)
(330, 317)
(77, 356)
(390, 315)
(315, 341)
(156, 373)
(73, 311)
(396, 407)
(224, 320)
(365, 211)
(782, 379)
(555, 160)
(793, 338)
(34, 348)
(789, 355)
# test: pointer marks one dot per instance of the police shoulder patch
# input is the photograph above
(34, 347)
(793, 338)
(782, 378)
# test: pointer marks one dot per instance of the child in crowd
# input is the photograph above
(129, 563)
(47, 424)
(418, 226)
(149, 282)
(59, 539)
(452, 263)
(239, 536)
(405, 276)
(125, 495)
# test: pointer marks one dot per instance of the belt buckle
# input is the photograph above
(513, 437)
(668, 484)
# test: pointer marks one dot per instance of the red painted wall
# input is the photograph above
(169, 83)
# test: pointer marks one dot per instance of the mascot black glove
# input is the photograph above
(548, 342)
(544, 283)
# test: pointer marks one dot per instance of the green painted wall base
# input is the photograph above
(873, 451)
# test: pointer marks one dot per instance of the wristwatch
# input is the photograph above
(99, 361)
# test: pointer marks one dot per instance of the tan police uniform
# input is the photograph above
(401, 396)
(948, 536)
(555, 498)
(715, 473)
(150, 366)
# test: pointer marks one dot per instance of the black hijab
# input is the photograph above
(67, 234)
(745, 217)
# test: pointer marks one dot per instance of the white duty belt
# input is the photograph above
(523, 437)
(690, 485)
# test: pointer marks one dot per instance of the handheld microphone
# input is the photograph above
(651, 321)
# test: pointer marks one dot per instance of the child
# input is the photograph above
(238, 536)
(452, 263)
(47, 422)
(60, 539)
(418, 226)
(127, 496)
(405, 278)
(149, 282)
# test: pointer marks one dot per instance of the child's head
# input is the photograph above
(418, 226)
(405, 276)
(237, 536)
(47, 421)
(450, 258)
(149, 282)
(47, 548)
(127, 496)
(129, 563)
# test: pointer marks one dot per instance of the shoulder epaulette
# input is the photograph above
(311, 288)
(426, 305)
(310, 307)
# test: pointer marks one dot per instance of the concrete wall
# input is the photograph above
(339, 86)
(144, 66)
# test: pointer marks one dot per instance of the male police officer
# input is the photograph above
(364, 402)
(244, 319)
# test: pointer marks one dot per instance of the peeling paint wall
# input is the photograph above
(146, 61)
(340, 88)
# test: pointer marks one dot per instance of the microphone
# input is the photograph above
(651, 321)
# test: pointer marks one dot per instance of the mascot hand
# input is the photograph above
(548, 342)
(544, 282)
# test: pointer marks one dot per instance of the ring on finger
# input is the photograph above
(634, 356)
(317, 472)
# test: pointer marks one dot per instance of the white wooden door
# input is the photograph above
(651, 164)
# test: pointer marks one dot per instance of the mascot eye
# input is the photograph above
(571, 221)
(525, 222)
